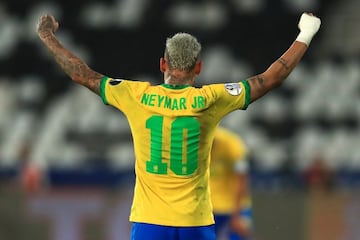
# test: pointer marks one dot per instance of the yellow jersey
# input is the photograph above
(173, 129)
(228, 150)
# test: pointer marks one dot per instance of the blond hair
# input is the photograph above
(182, 52)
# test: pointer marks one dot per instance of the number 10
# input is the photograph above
(184, 138)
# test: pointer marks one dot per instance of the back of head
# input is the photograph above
(182, 52)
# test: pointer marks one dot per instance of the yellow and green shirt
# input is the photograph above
(173, 129)
(228, 151)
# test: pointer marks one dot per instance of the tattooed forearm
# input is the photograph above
(278, 71)
(257, 84)
(72, 65)
(284, 63)
(259, 81)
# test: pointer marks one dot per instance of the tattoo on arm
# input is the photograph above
(73, 66)
(258, 82)
(258, 87)
(283, 62)
(278, 71)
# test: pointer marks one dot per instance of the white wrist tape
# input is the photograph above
(308, 25)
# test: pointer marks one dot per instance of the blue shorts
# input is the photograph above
(145, 231)
(222, 224)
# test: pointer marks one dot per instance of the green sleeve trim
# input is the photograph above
(102, 89)
(247, 93)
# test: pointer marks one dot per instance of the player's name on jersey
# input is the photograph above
(181, 103)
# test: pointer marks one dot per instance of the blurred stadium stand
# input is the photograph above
(49, 120)
(64, 128)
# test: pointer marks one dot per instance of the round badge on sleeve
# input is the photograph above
(114, 82)
(233, 89)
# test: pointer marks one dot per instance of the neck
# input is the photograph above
(178, 78)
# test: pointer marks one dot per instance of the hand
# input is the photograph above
(308, 25)
(46, 26)
(309, 22)
(240, 225)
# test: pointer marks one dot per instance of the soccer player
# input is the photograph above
(173, 126)
(228, 184)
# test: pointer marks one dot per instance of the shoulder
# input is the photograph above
(231, 89)
(117, 82)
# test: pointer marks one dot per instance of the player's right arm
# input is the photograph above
(73, 66)
(282, 67)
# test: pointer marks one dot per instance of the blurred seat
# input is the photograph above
(237, 121)
(337, 148)
(17, 140)
(342, 36)
(249, 6)
(207, 15)
(220, 66)
(50, 138)
(271, 109)
(308, 142)
(122, 156)
(7, 105)
(10, 33)
(302, 5)
(271, 156)
(26, 95)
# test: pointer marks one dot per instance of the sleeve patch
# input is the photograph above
(233, 89)
(114, 82)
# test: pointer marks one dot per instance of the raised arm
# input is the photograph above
(73, 66)
(282, 67)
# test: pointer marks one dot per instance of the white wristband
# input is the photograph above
(305, 37)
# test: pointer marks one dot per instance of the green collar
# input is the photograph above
(175, 86)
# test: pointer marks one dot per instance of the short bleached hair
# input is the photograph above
(182, 52)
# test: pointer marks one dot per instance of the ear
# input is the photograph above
(198, 67)
(163, 65)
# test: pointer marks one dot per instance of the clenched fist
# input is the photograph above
(308, 24)
(46, 26)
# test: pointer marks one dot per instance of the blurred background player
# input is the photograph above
(229, 186)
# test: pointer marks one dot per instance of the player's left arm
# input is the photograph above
(241, 193)
(237, 223)
(72, 65)
(282, 67)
